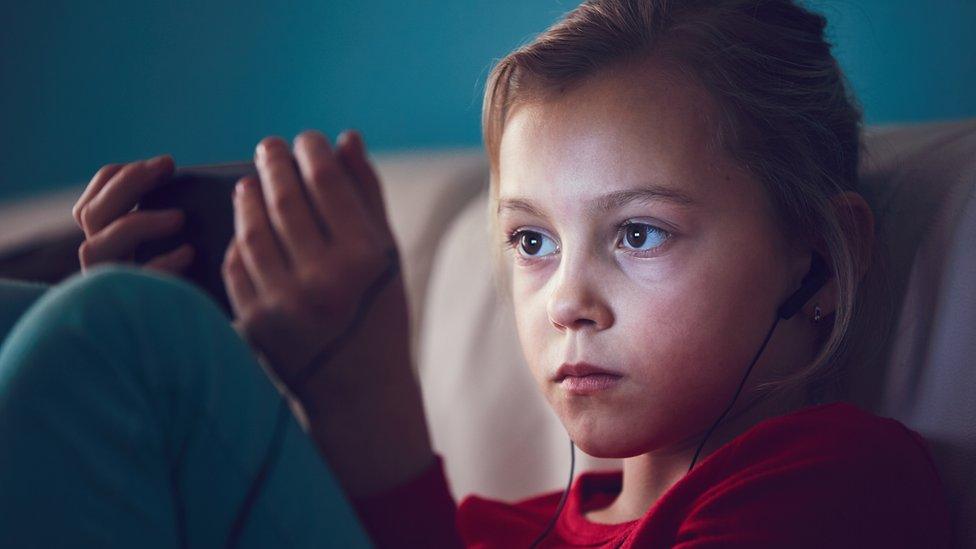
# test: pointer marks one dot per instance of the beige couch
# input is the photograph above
(497, 434)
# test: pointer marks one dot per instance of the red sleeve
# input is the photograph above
(827, 490)
(420, 513)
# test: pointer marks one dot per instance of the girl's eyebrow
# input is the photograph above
(607, 202)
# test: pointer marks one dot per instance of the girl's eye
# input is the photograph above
(531, 242)
(643, 237)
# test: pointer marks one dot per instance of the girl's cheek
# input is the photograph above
(647, 275)
(623, 272)
(668, 270)
(531, 277)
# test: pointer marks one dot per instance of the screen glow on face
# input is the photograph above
(638, 239)
(633, 247)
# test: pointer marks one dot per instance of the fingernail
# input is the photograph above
(156, 162)
(347, 142)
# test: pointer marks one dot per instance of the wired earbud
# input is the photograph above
(815, 278)
(811, 284)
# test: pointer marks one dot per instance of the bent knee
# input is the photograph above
(80, 326)
(113, 277)
(129, 287)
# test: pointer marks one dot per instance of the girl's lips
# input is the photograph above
(580, 369)
(588, 384)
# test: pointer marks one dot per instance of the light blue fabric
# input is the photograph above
(133, 415)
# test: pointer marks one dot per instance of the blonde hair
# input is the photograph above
(785, 112)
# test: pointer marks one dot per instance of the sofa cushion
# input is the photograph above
(423, 192)
(924, 181)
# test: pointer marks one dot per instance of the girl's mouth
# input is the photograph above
(588, 384)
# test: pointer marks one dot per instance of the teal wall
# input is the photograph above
(88, 83)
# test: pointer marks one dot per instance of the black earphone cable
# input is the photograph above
(299, 379)
(734, 398)
(562, 501)
(270, 457)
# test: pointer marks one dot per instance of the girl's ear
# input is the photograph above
(826, 297)
(857, 221)
(801, 267)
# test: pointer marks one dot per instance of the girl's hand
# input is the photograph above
(113, 230)
(312, 275)
(307, 248)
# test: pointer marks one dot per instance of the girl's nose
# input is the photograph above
(577, 302)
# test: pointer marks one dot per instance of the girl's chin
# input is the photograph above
(604, 443)
(602, 448)
(604, 429)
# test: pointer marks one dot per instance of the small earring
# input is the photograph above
(816, 314)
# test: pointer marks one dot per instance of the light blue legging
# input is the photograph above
(132, 414)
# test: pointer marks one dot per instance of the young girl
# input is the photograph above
(674, 192)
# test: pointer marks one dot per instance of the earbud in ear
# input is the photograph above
(811, 283)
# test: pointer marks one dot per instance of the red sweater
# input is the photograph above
(830, 475)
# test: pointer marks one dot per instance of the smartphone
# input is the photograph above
(204, 194)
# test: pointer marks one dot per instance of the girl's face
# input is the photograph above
(643, 252)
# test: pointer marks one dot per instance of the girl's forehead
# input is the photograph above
(620, 141)
(622, 127)
(598, 148)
